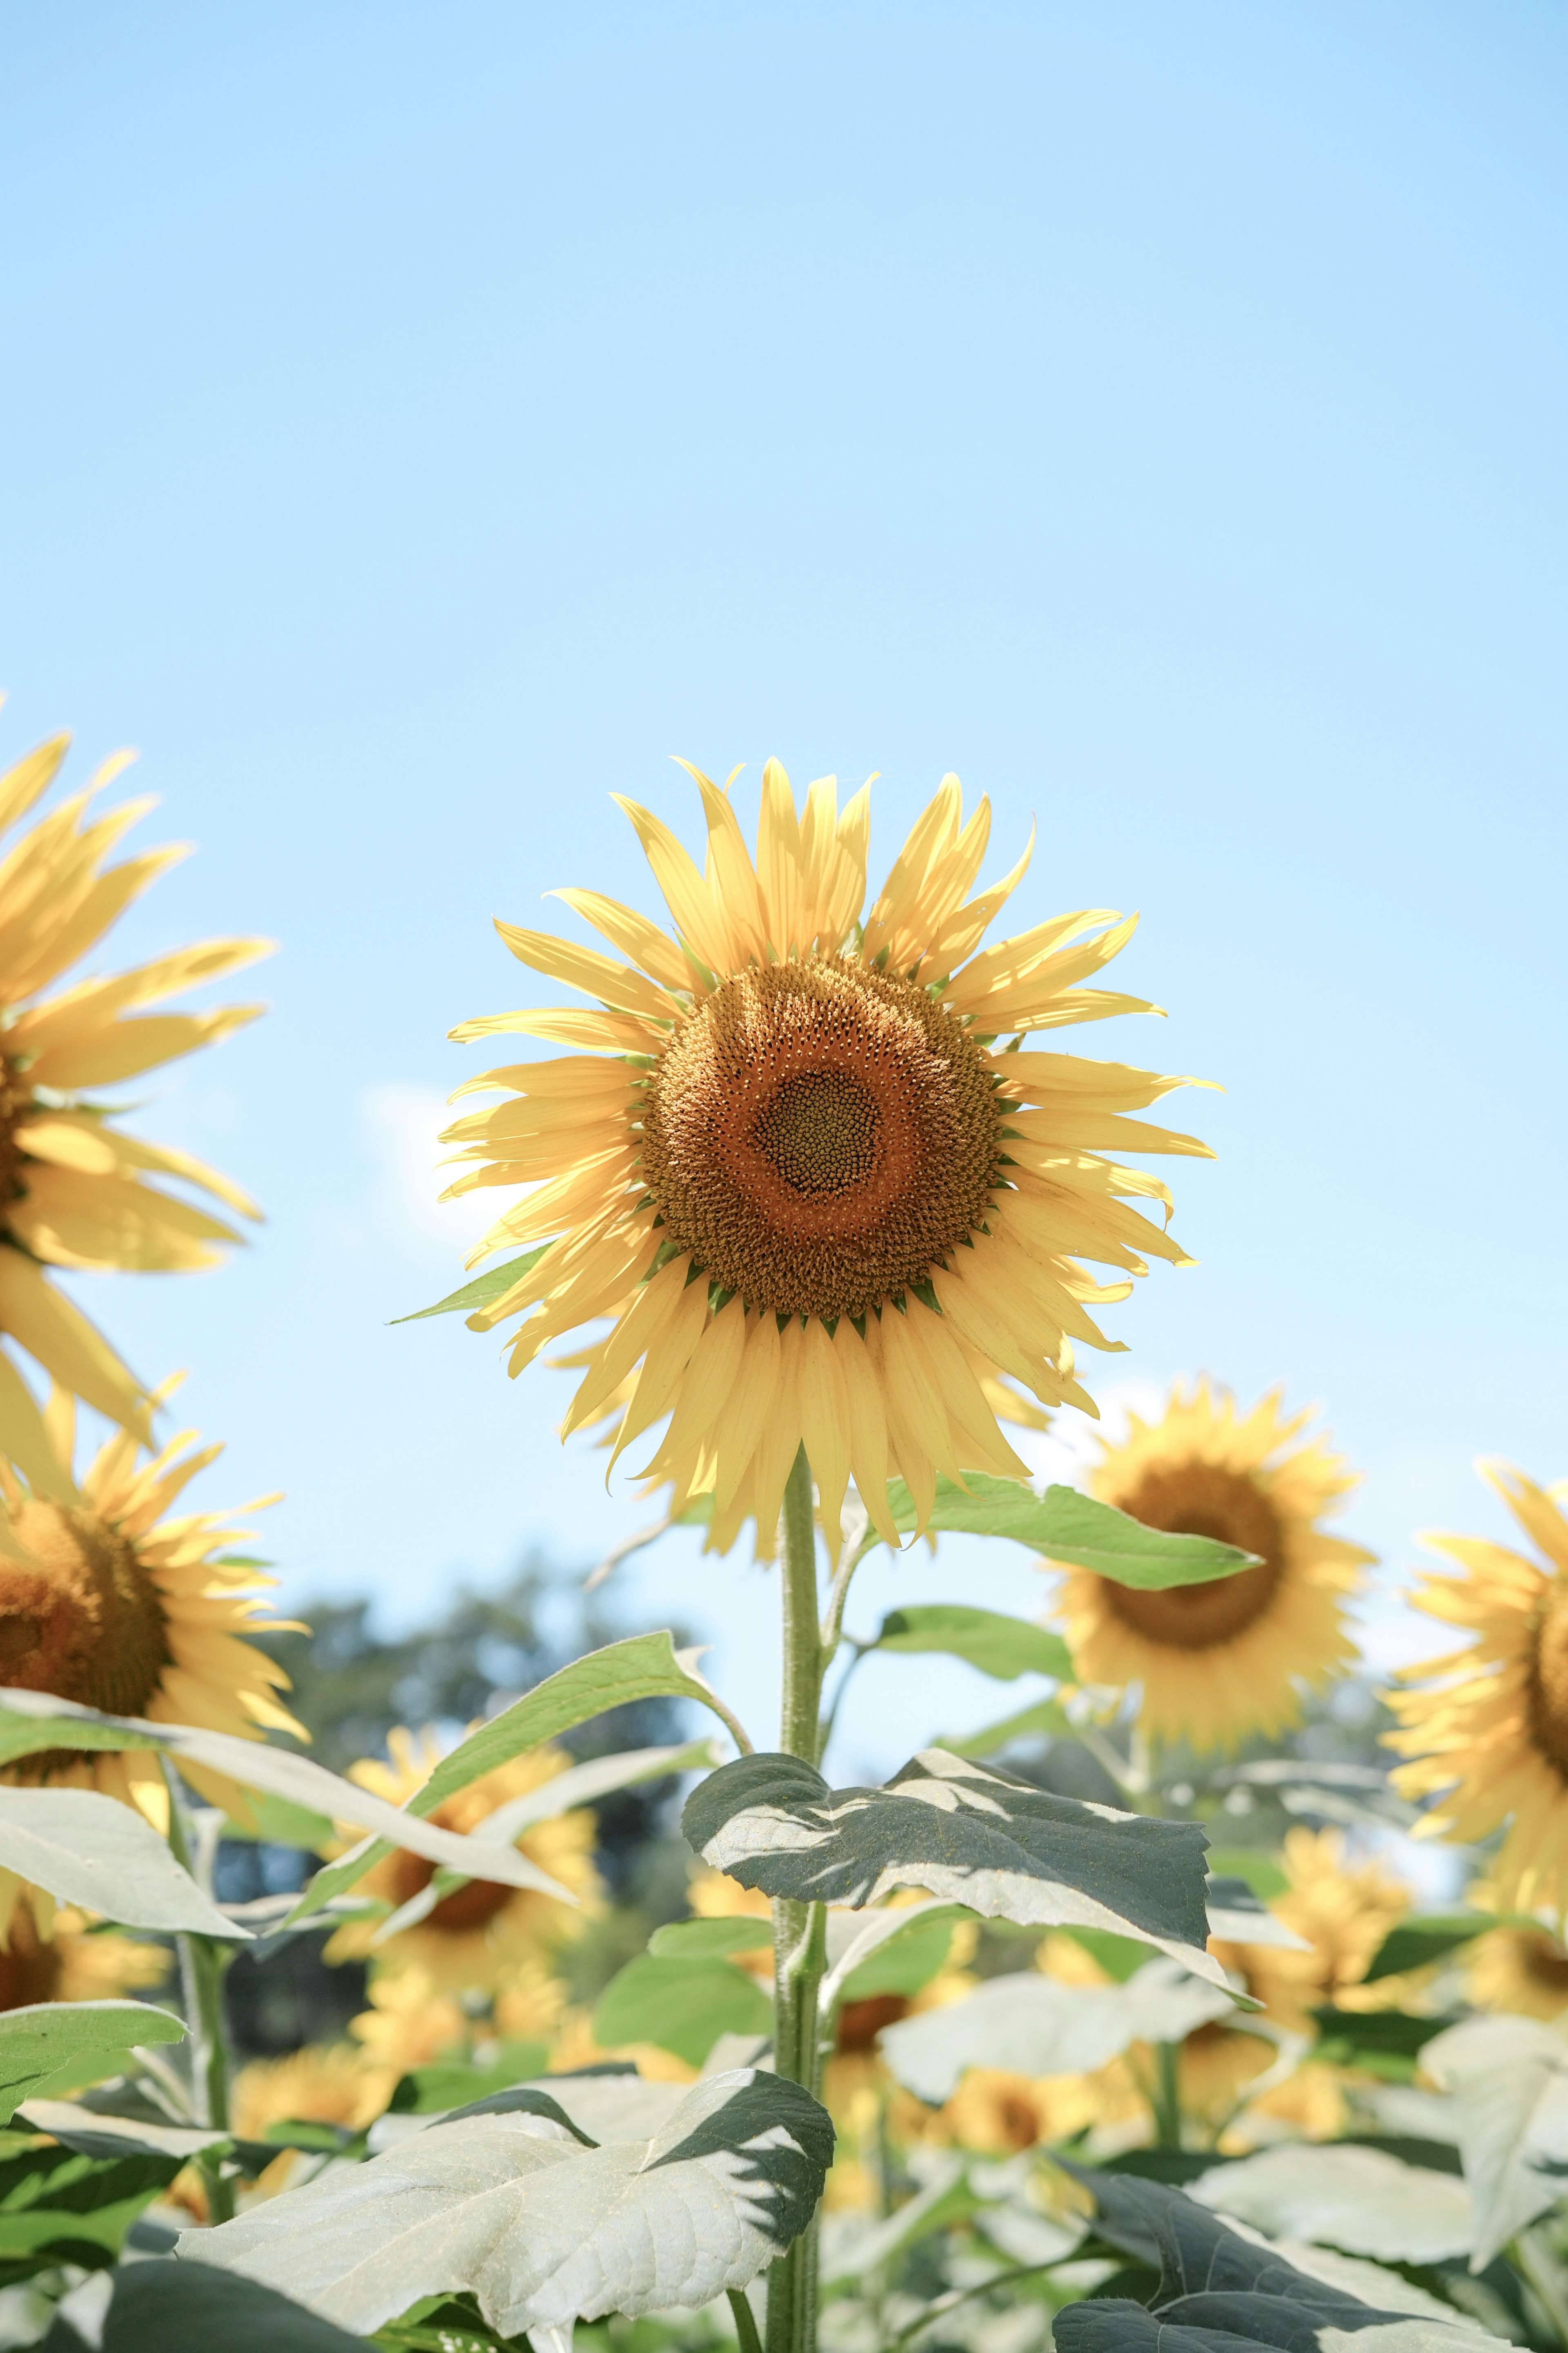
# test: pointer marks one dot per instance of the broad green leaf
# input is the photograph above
(1047, 1720)
(1430, 1936)
(966, 1832)
(184, 2308)
(1509, 2078)
(707, 1940)
(542, 2230)
(483, 1289)
(999, 1646)
(92, 2135)
(1072, 1528)
(905, 1963)
(855, 1947)
(276, 1822)
(644, 1666)
(1033, 2025)
(1220, 2292)
(58, 1723)
(682, 2005)
(1385, 2041)
(432, 2090)
(1262, 1874)
(38, 2042)
(89, 1849)
(1358, 2198)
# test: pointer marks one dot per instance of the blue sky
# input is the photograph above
(419, 423)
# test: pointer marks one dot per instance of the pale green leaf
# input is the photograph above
(40, 2042)
(1361, 2200)
(1509, 2078)
(183, 2308)
(644, 1666)
(484, 1288)
(1066, 1527)
(683, 2005)
(998, 1645)
(707, 1940)
(514, 2209)
(89, 1849)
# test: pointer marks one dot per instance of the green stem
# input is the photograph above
(799, 1929)
(1168, 2095)
(203, 1960)
(745, 2322)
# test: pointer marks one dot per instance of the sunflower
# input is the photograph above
(1218, 1661)
(48, 1954)
(105, 1601)
(792, 1167)
(1343, 1910)
(1489, 1738)
(1522, 1970)
(483, 1932)
(72, 1187)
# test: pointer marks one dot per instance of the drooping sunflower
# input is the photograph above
(1216, 1662)
(73, 1189)
(791, 1164)
(482, 1932)
(106, 1601)
(1488, 1737)
(48, 1952)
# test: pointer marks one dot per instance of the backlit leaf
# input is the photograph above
(89, 1849)
(998, 1645)
(40, 2042)
(1066, 1527)
(483, 1289)
(682, 2005)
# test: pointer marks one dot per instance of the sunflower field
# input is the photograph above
(1120, 2023)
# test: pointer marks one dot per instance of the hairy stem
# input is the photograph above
(799, 1929)
(203, 1960)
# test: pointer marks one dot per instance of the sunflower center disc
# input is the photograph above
(1202, 1499)
(466, 1908)
(1549, 1678)
(819, 1136)
(82, 1617)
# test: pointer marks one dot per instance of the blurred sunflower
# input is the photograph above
(1489, 1738)
(1522, 1970)
(1218, 1661)
(411, 2021)
(1343, 1910)
(72, 1188)
(483, 1931)
(789, 1166)
(105, 1601)
(47, 1954)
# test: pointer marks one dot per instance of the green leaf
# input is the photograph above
(1120, 1957)
(998, 1645)
(1429, 1937)
(683, 2006)
(1219, 2292)
(905, 1963)
(430, 2091)
(1506, 2079)
(276, 1821)
(1380, 2041)
(483, 1289)
(185, 2307)
(38, 2042)
(540, 2228)
(1066, 1527)
(967, 1832)
(1047, 1720)
(1261, 1872)
(644, 1666)
(1362, 2201)
(705, 1940)
(89, 1849)
(91, 2135)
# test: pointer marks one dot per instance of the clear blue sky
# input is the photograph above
(420, 422)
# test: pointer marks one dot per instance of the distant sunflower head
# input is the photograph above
(1343, 1909)
(1487, 1738)
(794, 1166)
(73, 1186)
(480, 1935)
(106, 1600)
(1219, 1661)
(48, 1952)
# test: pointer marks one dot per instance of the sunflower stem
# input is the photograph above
(203, 1961)
(799, 1929)
(1167, 2102)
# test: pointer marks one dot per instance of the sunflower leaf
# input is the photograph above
(644, 1666)
(706, 1940)
(92, 2135)
(485, 1287)
(183, 2308)
(683, 2005)
(1073, 1529)
(42, 2041)
(1000, 1646)
(1047, 1720)
(89, 1849)
(967, 1832)
(36, 1720)
(1361, 2200)
(1431, 1936)
(1508, 2077)
(1031, 2025)
(543, 2231)
(1219, 2292)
